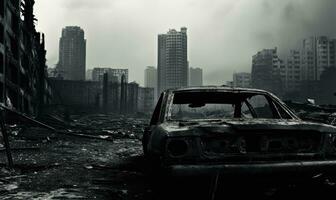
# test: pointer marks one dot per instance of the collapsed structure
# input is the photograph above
(103, 96)
(23, 76)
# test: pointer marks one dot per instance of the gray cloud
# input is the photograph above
(74, 5)
(223, 34)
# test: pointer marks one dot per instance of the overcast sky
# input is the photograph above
(222, 34)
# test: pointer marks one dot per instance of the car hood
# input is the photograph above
(201, 127)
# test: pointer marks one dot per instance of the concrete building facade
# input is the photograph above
(301, 75)
(151, 79)
(146, 100)
(172, 60)
(23, 71)
(195, 76)
(267, 71)
(72, 54)
(318, 53)
(306, 69)
(242, 79)
(293, 74)
(114, 75)
(103, 97)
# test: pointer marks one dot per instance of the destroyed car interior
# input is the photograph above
(219, 105)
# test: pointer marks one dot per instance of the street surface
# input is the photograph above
(102, 159)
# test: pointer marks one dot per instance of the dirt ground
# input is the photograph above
(50, 165)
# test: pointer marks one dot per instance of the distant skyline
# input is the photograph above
(223, 34)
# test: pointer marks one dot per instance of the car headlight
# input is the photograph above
(177, 147)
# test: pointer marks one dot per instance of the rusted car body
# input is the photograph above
(231, 131)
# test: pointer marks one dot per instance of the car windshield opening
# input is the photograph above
(220, 105)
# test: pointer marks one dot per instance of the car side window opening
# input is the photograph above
(218, 105)
(282, 112)
(246, 111)
(261, 106)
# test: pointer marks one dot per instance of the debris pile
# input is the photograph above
(314, 113)
(65, 163)
(107, 127)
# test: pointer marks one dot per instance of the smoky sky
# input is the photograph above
(223, 35)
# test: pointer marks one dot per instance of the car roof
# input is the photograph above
(217, 88)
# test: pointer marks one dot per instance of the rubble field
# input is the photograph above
(100, 157)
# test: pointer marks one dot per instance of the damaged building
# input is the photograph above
(306, 72)
(113, 74)
(106, 96)
(23, 72)
(146, 99)
(76, 94)
(267, 70)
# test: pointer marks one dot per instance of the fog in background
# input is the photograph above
(223, 34)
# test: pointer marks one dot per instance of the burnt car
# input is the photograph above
(231, 131)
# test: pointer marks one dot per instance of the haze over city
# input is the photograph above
(167, 99)
(222, 35)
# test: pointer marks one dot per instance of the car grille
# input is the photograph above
(262, 144)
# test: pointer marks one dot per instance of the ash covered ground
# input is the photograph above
(100, 157)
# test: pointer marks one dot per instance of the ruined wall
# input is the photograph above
(76, 93)
(23, 77)
(110, 97)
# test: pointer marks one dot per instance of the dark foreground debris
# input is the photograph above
(49, 165)
(76, 162)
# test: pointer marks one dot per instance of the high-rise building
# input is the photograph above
(304, 67)
(132, 97)
(114, 75)
(267, 71)
(72, 54)
(299, 77)
(242, 79)
(318, 53)
(195, 77)
(293, 72)
(151, 78)
(172, 60)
